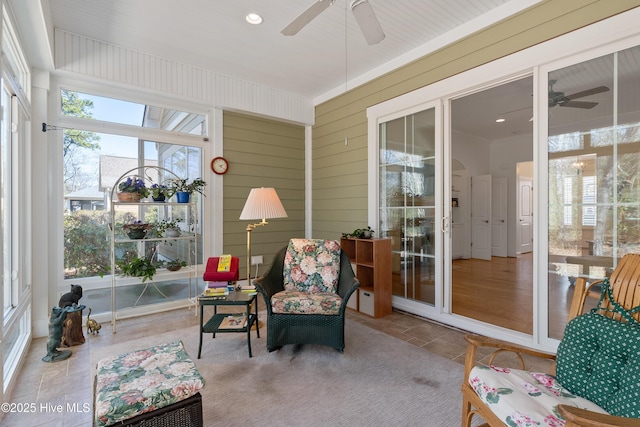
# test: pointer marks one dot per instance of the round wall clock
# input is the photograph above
(219, 165)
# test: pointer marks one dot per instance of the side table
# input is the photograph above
(233, 298)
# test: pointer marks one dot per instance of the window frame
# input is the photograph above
(142, 134)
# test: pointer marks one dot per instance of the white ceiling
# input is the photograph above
(316, 63)
(326, 57)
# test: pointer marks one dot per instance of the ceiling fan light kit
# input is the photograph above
(361, 9)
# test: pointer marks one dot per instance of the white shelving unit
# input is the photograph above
(183, 247)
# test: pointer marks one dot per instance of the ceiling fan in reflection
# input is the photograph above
(562, 100)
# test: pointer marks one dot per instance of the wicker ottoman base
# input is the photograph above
(186, 413)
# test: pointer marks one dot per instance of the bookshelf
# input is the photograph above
(371, 262)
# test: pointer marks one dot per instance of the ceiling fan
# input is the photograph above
(559, 98)
(361, 9)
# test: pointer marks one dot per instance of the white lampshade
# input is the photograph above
(263, 203)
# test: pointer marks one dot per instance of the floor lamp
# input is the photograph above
(262, 203)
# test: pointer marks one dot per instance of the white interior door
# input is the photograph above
(525, 215)
(481, 217)
(499, 216)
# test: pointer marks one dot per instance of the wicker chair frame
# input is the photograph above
(320, 329)
(625, 284)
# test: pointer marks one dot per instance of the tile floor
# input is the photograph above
(60, 393)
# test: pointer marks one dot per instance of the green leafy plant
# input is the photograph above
(86, 244)
(359, 233)
(159, 190)
(141, 267)
(175, 265)
(137, 229)
(164, 225)
(133, 185)
(181, 185)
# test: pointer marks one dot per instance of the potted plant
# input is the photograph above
(183, 190)
(137, 229)
(175, 265)
(141, 267)
(132, 189)
(160, 192)
(360, 233)
(168, 228)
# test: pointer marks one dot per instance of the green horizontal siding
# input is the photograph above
(340, 172)
(262, 153)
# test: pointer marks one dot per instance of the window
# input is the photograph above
(589, 188)
(568, 200)
(77, 104)
(594, 168)
(15, 211)
(93, 163)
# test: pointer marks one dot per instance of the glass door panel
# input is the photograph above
(407, 202)
(594, 171)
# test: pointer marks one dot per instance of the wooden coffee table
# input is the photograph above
(214, 326)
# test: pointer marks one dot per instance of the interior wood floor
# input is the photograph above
(500, 292)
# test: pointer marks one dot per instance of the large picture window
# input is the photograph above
(92, 165)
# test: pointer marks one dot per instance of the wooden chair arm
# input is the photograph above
(577, 417)
(477, 341)
(480, 341)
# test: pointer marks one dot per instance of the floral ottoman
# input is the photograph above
(160, 383)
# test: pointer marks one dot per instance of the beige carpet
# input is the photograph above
(378, 381)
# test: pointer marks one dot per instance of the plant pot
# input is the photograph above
(183, 196)
(128, 197)
(137, 234)
(174, 267)
(171, 232)
(159, 198)
(366, 234)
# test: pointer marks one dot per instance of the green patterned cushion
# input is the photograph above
(599, 359)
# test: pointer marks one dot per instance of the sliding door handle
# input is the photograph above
(444, 226)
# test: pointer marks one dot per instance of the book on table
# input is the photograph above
(215, 292)
(234, 321)
(251, 290)
(224, 263)
(216, 284)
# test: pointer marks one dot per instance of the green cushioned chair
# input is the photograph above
(306, 292)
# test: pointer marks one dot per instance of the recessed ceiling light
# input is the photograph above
(253, 18)
(501, 120)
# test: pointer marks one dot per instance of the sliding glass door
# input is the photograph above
(593, 151)
(407, 202)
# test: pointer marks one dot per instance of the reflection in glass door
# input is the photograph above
(407, 202)
(594, 173)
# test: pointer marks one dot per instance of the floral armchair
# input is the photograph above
(306, 292)
(596, 375)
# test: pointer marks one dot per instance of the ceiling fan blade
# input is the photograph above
(307, 16)
(368, 22)
(587, 92)
(579, 104)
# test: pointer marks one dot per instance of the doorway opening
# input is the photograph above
(492, 172)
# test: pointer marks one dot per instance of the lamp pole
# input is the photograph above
(250, 228)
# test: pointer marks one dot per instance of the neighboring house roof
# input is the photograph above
(113, 167)
(85, 194)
